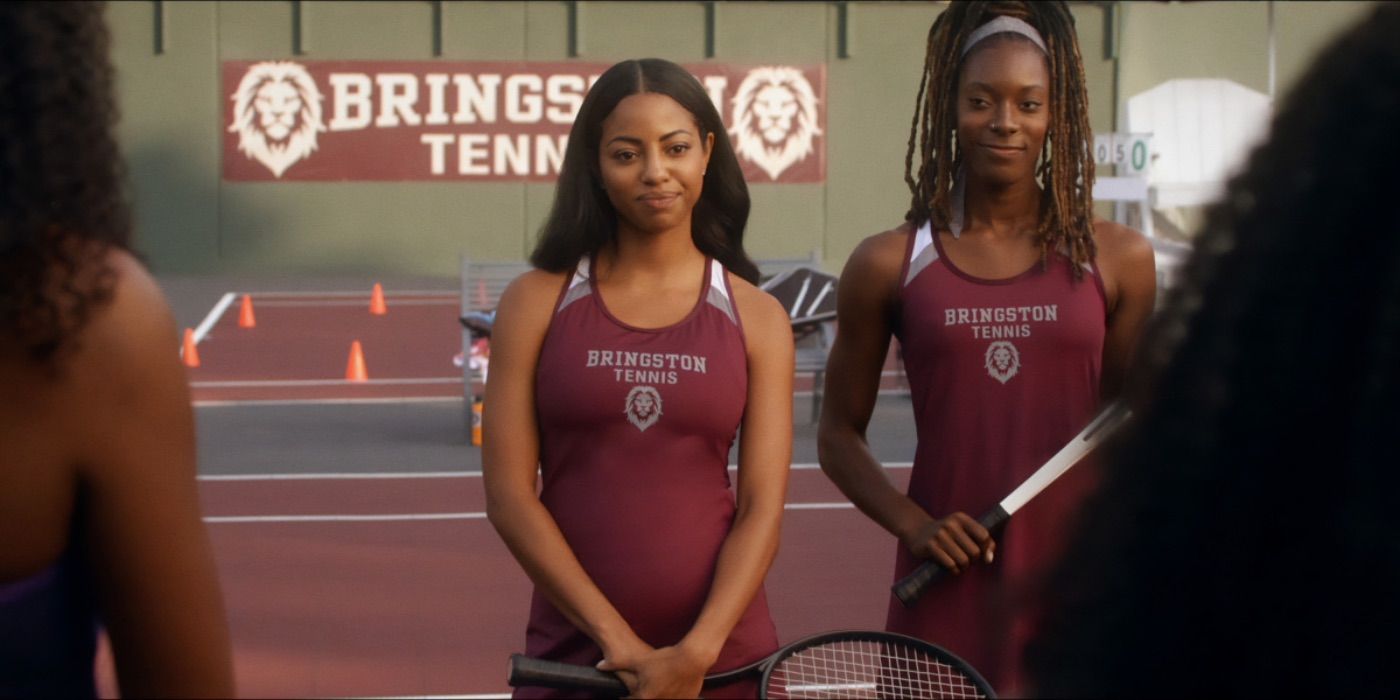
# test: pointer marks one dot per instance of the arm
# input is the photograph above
(865, 308)
(510, 461)
(1130, 283)
(157, 588)
(765, 451)
(765, 455)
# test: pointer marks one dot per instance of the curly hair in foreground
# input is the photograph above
(61, 198)
(1244, 540)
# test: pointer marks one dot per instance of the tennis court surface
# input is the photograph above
(348, 520)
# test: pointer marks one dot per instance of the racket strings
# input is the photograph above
(867, 669)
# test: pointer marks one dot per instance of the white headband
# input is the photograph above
(1000, 25)
(1004, 24)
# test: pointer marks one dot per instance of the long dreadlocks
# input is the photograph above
(1066, 170)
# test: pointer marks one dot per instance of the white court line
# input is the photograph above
(388, 294)
(202, 330)
(216, 403)
(411, 517)
(339, 476)
(273, 383)
(322, 382)
(214, 315)
(819, 506)
(400, 517)
(364, 302)
(332, 476)
(201, 403)
(479, 696)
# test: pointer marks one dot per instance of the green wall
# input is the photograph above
(189, 220)
(1230, 40)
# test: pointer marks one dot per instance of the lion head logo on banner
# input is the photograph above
(276, 114)
(774, 118)
(643, 406)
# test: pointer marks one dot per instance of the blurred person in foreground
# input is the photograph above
(1246, 537)
(98, 505)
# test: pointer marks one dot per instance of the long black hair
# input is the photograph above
(582, 220)
(1246, 537)
(61, 200)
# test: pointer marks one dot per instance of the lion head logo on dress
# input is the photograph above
(774, 118)
(276, 114)
(1003, 361)
(643, 406)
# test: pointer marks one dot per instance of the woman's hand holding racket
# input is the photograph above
(666, 672)
(828, 665)
(955, 542)
(909, 588)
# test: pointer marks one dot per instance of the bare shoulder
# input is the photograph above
(532, 289)
(127, 379)
(136, 325)
(880, 254)
(1119, 244)
(760, 311)
(871, 274)
(1127, 265)
(526, 307)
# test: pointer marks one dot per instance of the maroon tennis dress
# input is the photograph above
(1003, 373)
(635, 430)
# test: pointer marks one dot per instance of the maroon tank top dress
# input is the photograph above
(1003, 373)
(635, 427)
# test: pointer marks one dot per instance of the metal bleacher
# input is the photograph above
(809, 296)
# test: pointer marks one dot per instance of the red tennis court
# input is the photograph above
(392, 582)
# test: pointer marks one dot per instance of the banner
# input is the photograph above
(317, 121)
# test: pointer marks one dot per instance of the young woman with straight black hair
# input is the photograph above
(623, 368)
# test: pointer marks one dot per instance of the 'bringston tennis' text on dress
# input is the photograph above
(1003, 374)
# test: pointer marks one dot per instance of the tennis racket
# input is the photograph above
(827, 665)
(909, 588)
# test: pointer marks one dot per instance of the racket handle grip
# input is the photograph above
(911, 587)
(538, 673)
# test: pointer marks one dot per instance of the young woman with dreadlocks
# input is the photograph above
(1016, 311)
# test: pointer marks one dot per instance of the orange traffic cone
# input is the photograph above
(477, 411)
(245, 313)
(188, 353)
(376, 301)
(355, 368)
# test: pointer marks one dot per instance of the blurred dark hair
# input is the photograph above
(582, 219)
(1246, 537)
(61, 199)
